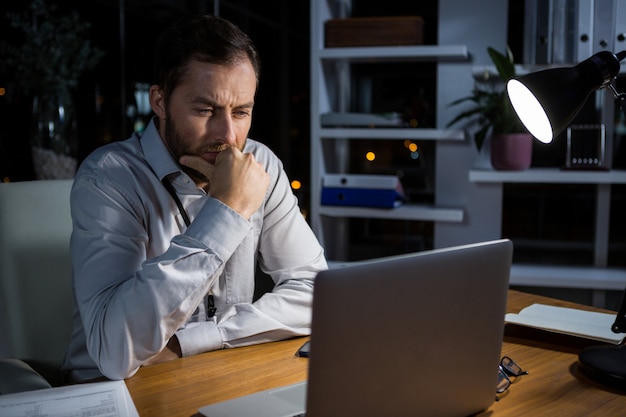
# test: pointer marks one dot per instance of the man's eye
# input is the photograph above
(242, 113)
(206, 111)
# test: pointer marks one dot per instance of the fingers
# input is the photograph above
(197, 167)
(239, 181)
(236, 179)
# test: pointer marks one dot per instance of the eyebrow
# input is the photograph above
(211, 103)
(248, 105)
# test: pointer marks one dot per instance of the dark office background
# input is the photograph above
(280, 28)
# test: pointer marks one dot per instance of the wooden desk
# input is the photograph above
(554, 386)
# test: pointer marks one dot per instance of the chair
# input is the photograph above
(36, 295)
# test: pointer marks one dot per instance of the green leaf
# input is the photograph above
(504, 63)
(491, 111)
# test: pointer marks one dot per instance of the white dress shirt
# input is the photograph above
(141, 275)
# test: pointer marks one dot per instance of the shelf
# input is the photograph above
(580, 277)
(392, 133)
(583, 277)
(405, 212)
(396, 53)
(548, 176)
(341, 83)
(489, 73)
(478, 72)
(550, 276)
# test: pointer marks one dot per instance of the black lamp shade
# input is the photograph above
(547, 101)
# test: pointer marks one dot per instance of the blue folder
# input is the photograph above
(361, 197)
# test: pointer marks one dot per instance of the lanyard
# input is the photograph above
(210, 302)
(170, 189)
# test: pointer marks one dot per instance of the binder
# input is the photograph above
(380, 191)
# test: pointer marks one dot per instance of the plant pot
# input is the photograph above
(511, 151)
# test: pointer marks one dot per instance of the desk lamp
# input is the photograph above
(546, 102)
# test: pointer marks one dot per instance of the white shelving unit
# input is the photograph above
(481, 190)
(467, 201)
(597, 277)
(330, 81)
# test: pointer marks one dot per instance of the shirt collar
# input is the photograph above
(156, 153)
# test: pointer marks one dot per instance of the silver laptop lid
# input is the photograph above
(413, 335)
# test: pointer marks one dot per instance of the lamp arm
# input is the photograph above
(620, 98)
(619, 326)
(620, 320)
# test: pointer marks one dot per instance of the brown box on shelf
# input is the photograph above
(374, 31)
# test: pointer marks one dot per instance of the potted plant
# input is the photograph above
(511, 144)
(49, 53)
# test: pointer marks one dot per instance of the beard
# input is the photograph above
(175, 141)
(179, 146)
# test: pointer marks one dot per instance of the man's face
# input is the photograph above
(210, 109)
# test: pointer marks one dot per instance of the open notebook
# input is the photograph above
(569, 321)
(416, 334)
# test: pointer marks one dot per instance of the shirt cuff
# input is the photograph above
(216, 219)
(198, 338)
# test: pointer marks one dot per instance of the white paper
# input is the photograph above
(570, 321)
(102, 399)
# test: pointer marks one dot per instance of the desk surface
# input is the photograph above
(554, 386)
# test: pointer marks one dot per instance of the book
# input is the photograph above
(569, 321)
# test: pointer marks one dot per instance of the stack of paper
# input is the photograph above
(105, 399)
(570, 321)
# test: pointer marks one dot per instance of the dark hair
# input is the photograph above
(203, 38)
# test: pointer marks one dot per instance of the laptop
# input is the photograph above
(409, 335)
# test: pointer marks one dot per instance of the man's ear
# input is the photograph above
(157, 101)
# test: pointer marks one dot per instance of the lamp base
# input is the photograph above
(605, 365)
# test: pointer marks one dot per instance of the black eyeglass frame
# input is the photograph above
(507, 369)
(511, 368)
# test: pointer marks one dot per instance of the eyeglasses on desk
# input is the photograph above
(508, 372)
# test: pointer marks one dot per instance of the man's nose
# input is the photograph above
(222, 128)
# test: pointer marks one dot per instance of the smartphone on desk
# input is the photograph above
(303, 352)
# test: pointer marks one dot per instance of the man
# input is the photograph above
(168, 227)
